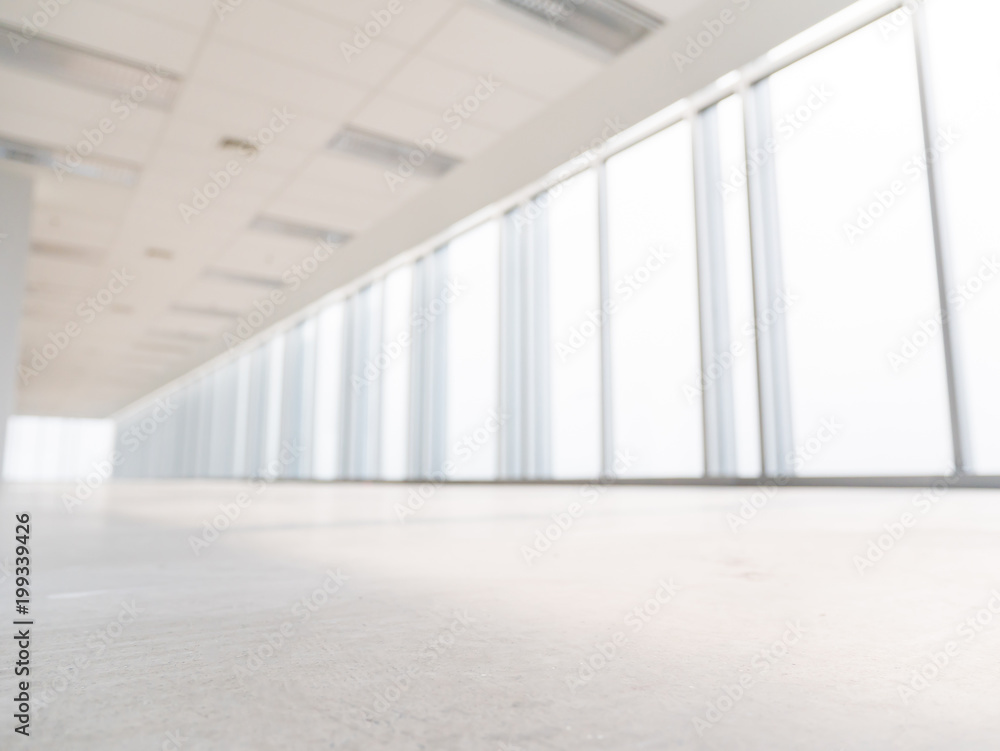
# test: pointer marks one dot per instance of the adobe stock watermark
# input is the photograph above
(219, 180)
(301, 611)
(370, 30)
(97, 643)
(224, 7)
(265, 307)
(713, 29)
(213, 528)
(545, 537)
(87, 311)
(465, 448)
(913, 171)
(968, 631)
(927, 330)
(101, 471)
(173, 741)
(581, 158)
(32, 26)
(751, 331)
(894, 531)
(803, 453)
(760, 664)
(787, 126)
(403, 681)
(420, 320)
(636, 620)
(122, 106)
(899, 19)
(454, 117)
(624, 289)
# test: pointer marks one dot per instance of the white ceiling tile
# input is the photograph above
(33, 128)
(260, 254)
(213, 293)
(92, 197)
(320, 209)
(42, 95)
(262, 77)
(124, 33)
(362, 178)
(194, 14)
(669, 10)
(468, 140)
(302, 37)
(393, 117)
(506, 108)
(483, 43)
(380, 19)
(430, 82)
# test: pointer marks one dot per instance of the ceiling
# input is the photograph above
(232, 71)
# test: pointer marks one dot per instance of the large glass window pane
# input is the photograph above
(223, 419)
(394, 370)
(205, 389)
(272, 426)
(256, 412)
(654, 320)
(472, 297)
(327, 413)
(242, 416)
(297, 396)
(363, 389)
(858, 259)
(575, 328)
(964, 61)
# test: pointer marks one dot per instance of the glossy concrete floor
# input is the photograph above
(316, 619)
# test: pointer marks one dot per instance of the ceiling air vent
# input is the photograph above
(144, 84)
(610, 25)
(300, 231)
(388, 152)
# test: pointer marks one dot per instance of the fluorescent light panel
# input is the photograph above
(96, 168)
(300, 231)
(611, 25)
(390, 153)
(93, 70)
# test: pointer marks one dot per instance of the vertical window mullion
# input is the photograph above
(772, 353)
(942, 252)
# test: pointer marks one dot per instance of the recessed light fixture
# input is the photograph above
(206, 311)
(239, 278)
(146, 85)
(184, 336)
(72, 253)
(301, 231)
(96, 168)
(388, 152)
(610, 25)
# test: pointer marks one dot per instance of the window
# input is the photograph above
(963, 56)
(363, 390)
(574, 306)
(275, 362)
(328, 423)
(655, 350)
(470, 301)
(858, 259)
(393, 366)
